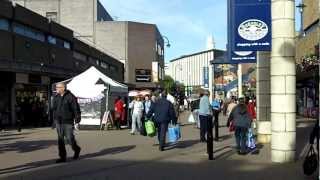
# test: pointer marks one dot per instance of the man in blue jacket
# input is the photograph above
(163, 113)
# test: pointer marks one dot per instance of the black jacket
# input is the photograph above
(163, 111)
(66, 109)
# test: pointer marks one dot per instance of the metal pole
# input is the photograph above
(240, 93)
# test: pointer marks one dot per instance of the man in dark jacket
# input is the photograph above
(163, 112)
(66, 111)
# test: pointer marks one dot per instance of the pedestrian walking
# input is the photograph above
(118, 112)
(216, 107)
(206, 125)
(66, 111)
(242, 122)
(137, 114)
(164, 113)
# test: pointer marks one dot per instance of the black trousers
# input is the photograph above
(216, 124)
(66, 131)
(206, 129)
(204, 123)
(162, 130)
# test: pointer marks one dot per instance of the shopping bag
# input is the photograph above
(143, 130)
(174, 133)
(251, 143)
(310, 164)
(150, 128)
(231, 126)
(191, 119)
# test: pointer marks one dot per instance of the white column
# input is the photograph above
(211, 82)
(240, 93)
(263, 97)
(283, 82)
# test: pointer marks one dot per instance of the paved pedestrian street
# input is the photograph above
(113, 155)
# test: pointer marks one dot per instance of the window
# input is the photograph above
(66, 45)
(79, 56)
(112, 68)
(104, 65)
(28, 32)
(92, 61)
(52, 40)
(4, 24)
(52, 16)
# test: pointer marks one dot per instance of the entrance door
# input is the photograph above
(32, 105)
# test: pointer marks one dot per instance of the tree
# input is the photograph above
(168, 83)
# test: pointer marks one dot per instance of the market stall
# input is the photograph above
(91, 87)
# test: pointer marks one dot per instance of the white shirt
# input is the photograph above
(137, 107)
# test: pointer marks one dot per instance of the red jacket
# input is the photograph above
(118, 108)
(251, 110)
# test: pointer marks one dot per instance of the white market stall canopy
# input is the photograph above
(85, 85)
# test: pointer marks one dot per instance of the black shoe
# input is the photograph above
(76, 154)
(161, 149)
(61, 160)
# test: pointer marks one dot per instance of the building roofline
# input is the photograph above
(197, 53)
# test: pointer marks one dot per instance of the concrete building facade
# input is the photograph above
(139, 46)
(192, 69)
(36, 53)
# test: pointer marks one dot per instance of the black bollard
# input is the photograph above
(210, 139)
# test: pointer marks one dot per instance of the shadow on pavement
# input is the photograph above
(39, 164)
(10, 139)
(13, 134)
(27, 146)
(229, 169)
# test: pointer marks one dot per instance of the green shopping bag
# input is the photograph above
(150, 128)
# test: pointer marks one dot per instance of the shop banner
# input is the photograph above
(243, 57)
(250, 25)
(206, 77)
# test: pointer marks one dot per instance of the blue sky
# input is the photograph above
(187, 23)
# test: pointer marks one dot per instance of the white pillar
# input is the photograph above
(240, 93)
(283, 82)
(211, 82)
(263, 97)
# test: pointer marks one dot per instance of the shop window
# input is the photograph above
(4, 24)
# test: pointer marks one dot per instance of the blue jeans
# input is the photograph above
(241, 138)
(66, 131)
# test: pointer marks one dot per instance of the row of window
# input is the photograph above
(40, 36)
(33, 34)
(84, 58)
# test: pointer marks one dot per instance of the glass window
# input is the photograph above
(28, 32)
(19, 29)
(112, 68)
(66, 45)
(4, 24)
(104, 65)
(79, 56)
(52, 40)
